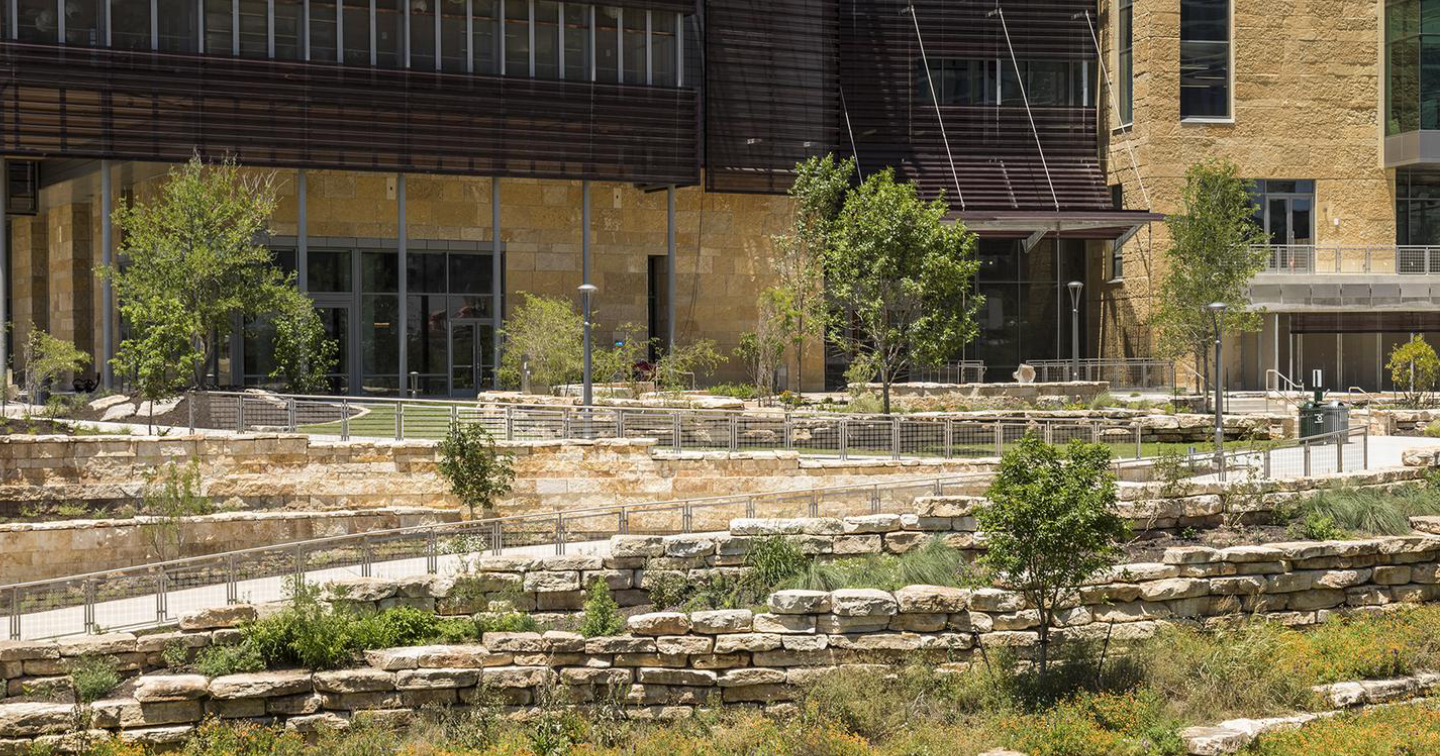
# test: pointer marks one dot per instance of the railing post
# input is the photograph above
(874, 499)
(497, 537)
(1341, 441)
(1365, 449)
(290, 414)
(789, 430)
(734, 433)
(894, 438)
(559, 535)
(844, 438)
(1306, 447)
(160, 597)
(344, 419)
(620, 423)
(677, 429)
(432, 552)
(232, 587)
(190, 410)
(814, 503)
(240, 414)
(1139, 444)
(999, 439)
(89, 606)
(949, 438)
(687, 518)
(509, 423)
(750, 507)
(622, 524)
(299, 564)
(14, 614)
(454, 415)
(399, 422)
(367, 556)
(1268, 463)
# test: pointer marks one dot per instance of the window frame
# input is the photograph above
(1125, 61)
(1229, 43)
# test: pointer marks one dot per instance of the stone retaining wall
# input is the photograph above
(271, 471)
(37, 551)
(671, 663)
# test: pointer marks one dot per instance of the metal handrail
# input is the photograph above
(1281, 385)
(1306, 259)
(1224, 463)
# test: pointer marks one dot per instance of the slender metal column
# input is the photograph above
(107, 291)
(585, 237)
(302, 235)
(496, 290)
(670, 285)
(404, 298)
(4, 279)
(587, 289)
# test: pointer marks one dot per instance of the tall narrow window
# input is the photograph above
(1125, 49)
(452, 36)
(82, 23)
(389, 26)
(634, 40)
(219, 27)
(355, 20)
(1204, 58)
(422, 35)
(577, 42)
(485, 36)
(663, 65)
(38, 22)
(517, 38)
(323, 28)
(547, 39)
(289, 15)
(254, 29)
(177, 25)
(130, 24)
(607, 45)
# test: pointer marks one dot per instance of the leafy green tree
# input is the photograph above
(195, 266)
(676, 370)
(1050, 523)
(47, 359)
(478, 472)
(897, 276)
(1212, 257)
(819, 193)
(548, 332)
(1415, 371)
(159, 359)
(304, 353)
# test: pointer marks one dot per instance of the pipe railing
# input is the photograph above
(1308, 259)
(1339, 451)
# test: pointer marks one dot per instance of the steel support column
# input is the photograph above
(404, 289)
(670, 285)
(107, 290)
(497, 301)
(302, 234)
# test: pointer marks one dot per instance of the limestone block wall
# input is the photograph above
(37, 551)
(1305, 106)
(670, 663)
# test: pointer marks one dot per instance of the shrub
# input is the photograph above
(669, 589)
(932, 563)
(92, 677)
(216, 737)
(1369, 510)
(734, 390)
(773, 559)
(171, 493)
(1415, 371)
(476, 470)
(547, 332)
(676, 370)
(506, 622)
(218, 661)
(602, 614)
(175, 655)
(1050, 523)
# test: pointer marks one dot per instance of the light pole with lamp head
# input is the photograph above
(1075, 288)
(586, 292)
(1217, 310)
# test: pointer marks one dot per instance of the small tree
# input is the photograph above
(550, 334)
(602, 615)
(1050, 523)
(819, 193)
(304, 353)
(476, 469)
(762, 350)
(159, 359)
(171, 493)
(47, 359)
(1415, 371)
(685, 362)
(616, 364)
(897, 275)
(1212, 257)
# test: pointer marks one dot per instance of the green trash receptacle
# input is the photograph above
(1310, 419)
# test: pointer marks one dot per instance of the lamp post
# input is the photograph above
(1075, 288)
(586, 292)
(1217, 309)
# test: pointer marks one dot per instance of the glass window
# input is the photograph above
(389, 28)
(427, 341)
(328, 271)
(1204, 58)
(254, 29)
(323, 29)
(470, 274)
(422, 35)
(379, 272)
(177, 24)
(288, 18)
(380, 343)
(82, 23)
(484, 38)
(453, 47)
(425, 272)
(130, 24)
(607, 45)
(1284, 209)
(663, 49)
(1125, 49)
(355, 31)
(547, 39)
(634, 55)
(219, 27)
(577, 41)
(517, 38)
(38, 22)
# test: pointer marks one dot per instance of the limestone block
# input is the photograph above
(784, 623)
(322, 722)
(304, 703)
(1173, 588)
(799, 602)
(931, 599)
(154, 688)
(157, 736)
(1341, 578)
(238, 708)
(459, 657)
(361, 589)
(520, 643)
(995, 600)
(721, 621)
(551, 582)
(118, 411)
(758, 694)
(858, 544)
(805, 642)
(607, 676)
(1392, 574)
(684, 644)
(128, 713)
(232, 615)
(918, 623)
(862, 602)
(684, 546)
(659, 623)
(354, 681)
(568, 563)
(619, 644)
(789, 658)
(1243, 585)
(834, 624)
(559, 641)
(1316, 599)
(753, 676)
(725, 644)
(26, 720)
(791, 526)
(425, 679)
(1190, 555)
(872, 524)
(667, 676)
(947, 506)
(516, 677)
(1213, 741)
(636, 546)
(16, 650)
(97, 645)
(261, 684)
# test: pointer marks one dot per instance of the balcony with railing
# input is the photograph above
(1311, 259)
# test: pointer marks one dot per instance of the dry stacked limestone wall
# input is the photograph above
(671, 662)
(37, 551)
(294, 471)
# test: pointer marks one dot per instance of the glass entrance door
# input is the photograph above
(470, 350)
(336, 318)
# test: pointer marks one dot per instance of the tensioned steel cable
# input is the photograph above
(930, 81)
(1115, 103)
(1020, 79)
(853, 149)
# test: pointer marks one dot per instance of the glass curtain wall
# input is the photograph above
(1026, 314)
(543, 39)
(1412, 65)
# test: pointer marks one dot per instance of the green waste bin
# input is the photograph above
(1318, 418)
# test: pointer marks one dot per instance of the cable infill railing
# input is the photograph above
(1338, 451)
(1310, 259)
(155, 594)
(676, 430)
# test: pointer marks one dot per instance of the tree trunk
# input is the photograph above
(1044, 643)
(885, 388)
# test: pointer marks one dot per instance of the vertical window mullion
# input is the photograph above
(374, 57)
(439, 13)
(200, 24)
(560, 51)
(649, 53)
(340, 30)
(620, 45)
(531, 29)
(235, 27)
(591, 33)
(405, 54)
(154, 25)
(305, 30)
(679, 49)
(500, 13)
(60, 21)
(270, 29)
(469, 36)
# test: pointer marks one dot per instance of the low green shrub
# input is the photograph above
(733, 390)
(1370, 511)
(93, 677)
(233, 659)
(932, 563)
(602, 614)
